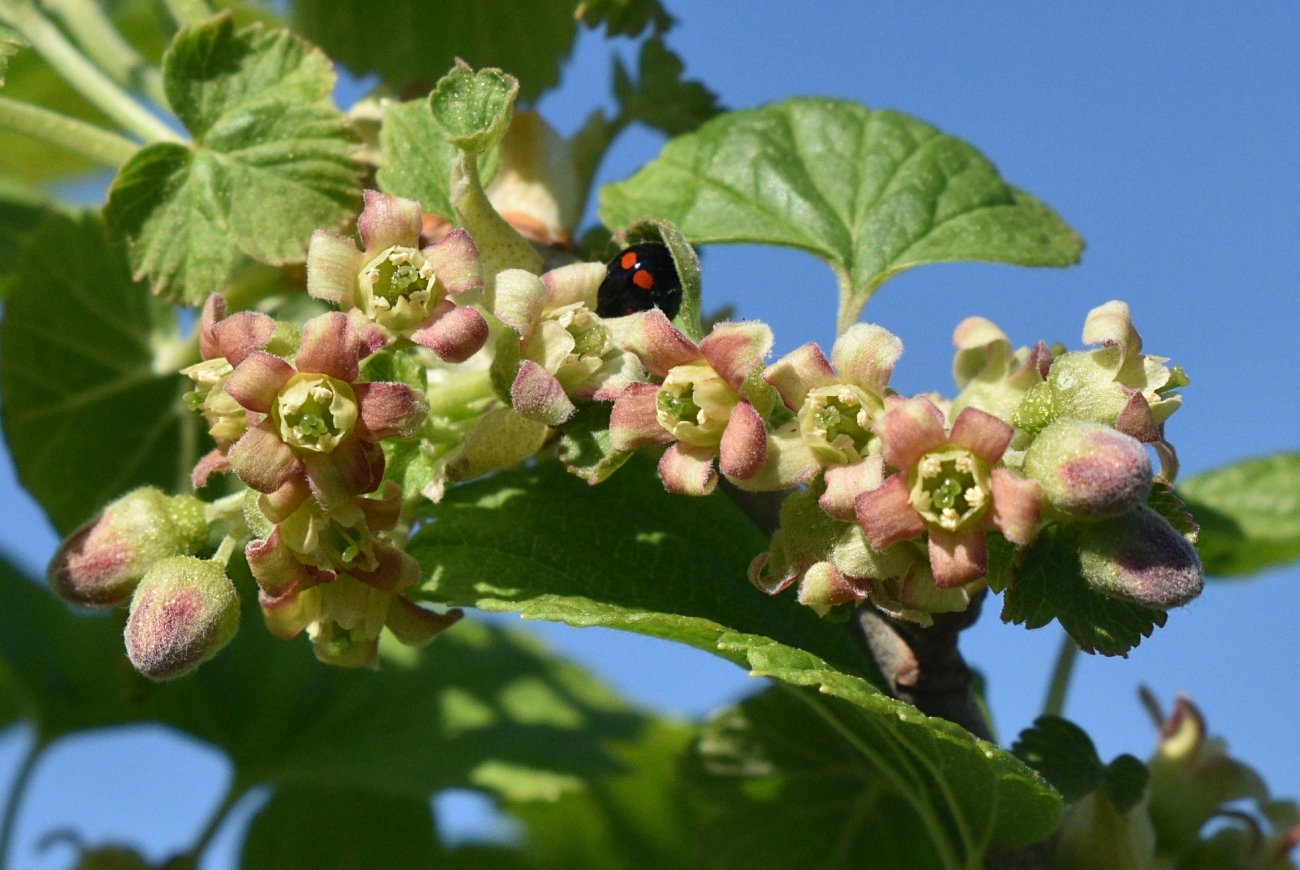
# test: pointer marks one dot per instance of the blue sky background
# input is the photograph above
(1166, 134)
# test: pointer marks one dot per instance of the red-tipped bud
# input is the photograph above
(1141, 558)
(100, 563)
(1089, 471)
(183, 612)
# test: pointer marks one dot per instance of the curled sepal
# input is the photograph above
(990, 375)
(1139, 557)
(183, 612)
(414, 625)
(100, 563)
(1089, 471)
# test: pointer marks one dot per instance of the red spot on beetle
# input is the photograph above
(629, 260)
(643, 279)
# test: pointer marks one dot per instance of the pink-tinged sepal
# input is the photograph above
(273, 565)
(258, 380)
(824, 586)
(802, 369)
(886, 514)
(262, 460)
(372, 336)
(214, 310)
(389, 220)
(577, 282)
(734, 350)
(454, 332)
(633, 422)
(845, 482)
(659, 345)
(1136, 420)
(743, 449)
(338, 476)
(1168, 457)
(1039, 361)
(537, 395)
(865, 356)
(240, 334)
(687, 470)
(389, 410)
(333, 263)
(455, 261)
(958, 558)
(982, 434)
(393, 572)
(279, 505)
(214, 462)
(1017, 506)
(287, 616)
(789, 463)
(519, 300)
(909, 430)
(383, 512)
(330, 346)
(414, 625)
(771, 582)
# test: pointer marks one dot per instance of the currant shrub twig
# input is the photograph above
(87, 140)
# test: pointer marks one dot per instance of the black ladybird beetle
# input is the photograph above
(640, 278)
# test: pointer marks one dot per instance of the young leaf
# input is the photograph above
(811, 780)
(409, 42)
(585, 446)
(624, 17)
(417, 158)
(474, 108)
(660, 98)
(1063, 753)
(323, 828)
(1249, 514)
(1126, 779)
(271, 161)
(1049, 585)
(873, 193)
(86, 416)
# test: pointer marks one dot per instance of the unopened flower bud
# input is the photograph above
(183, 612)
(1093, 835)
(1089, 471)
(1141, 558)
(100, 563)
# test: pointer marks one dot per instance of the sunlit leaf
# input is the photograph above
(1249, 513)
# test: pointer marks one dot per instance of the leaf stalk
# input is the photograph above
(96, 34)
(1054, 704)
(71, 134)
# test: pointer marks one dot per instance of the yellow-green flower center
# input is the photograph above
(315, 412)
(836, 422)
(950, 487)
(695, 404)
(398, 288)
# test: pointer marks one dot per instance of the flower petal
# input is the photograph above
(823, 586)
(1017, 506)
(537, 395)
(982, 434)
(957, 558)
(909, 430)
(214, 310)
(633, 423)
(652, 337)
(389, 410)
(330, 346)
(345, 472)
(389, 220)
(258, 380)
(413, 625)
(1135, 420)
(519, 299)
(373, 337)
(743, 449)
(333, 263)
(455, 262)
(802, 369)
(687, 470)
(845, 482)
(736, 349)
(454, 332)
(212, 463)
(789, 463)
(240, 334)
(287, 616)
(577, 282)
(262, 460)
(886, 514)
(273, 565)
(865, 356)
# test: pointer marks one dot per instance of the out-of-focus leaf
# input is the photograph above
(873, 193)
(1048, 585)
(624, 17)
(659, 97)
(86, 416)
(21, 210)
(417, 157)
(408, 42)
(272, 160)
(1063, 753)
(1249, 513)
(10, 44)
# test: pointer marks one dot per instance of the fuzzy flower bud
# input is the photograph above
(1089, 471)
(1141, 558)
(183, 612)
(100, 563)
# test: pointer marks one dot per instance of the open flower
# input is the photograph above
(701, 407)
(319, 429)
(989, 374)
(399, 289)
(947, 485)
(566, 351)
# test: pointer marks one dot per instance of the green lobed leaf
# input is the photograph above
(811, 780)
(628, 555)
(1063, 753)
(430, 718)
(1126, 779)
(585, 446)
(659, 97)
(21, 211)
(474, 108)
(1048, 585)
(272, 160)
(1249, 514)
(86, 416)
(411, 43)
(685, 260)
(417, 158)
(624, 17)
(323, 828)
(873, 193)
